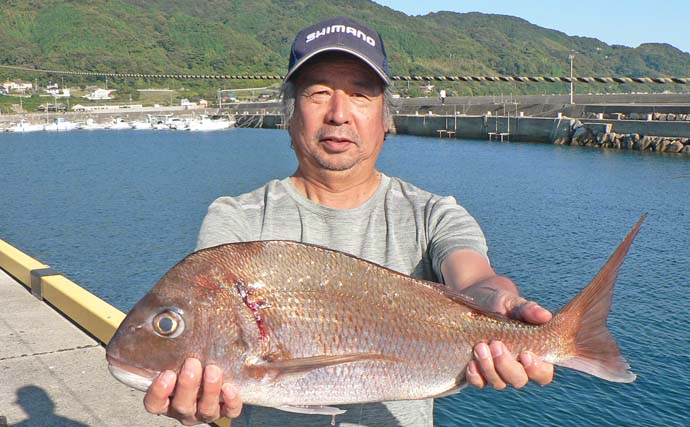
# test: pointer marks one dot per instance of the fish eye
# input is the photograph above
(168, 324)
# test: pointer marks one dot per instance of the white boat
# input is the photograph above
(91, 124)
(24, 126)
(208, 123)
(119, 124)
(60, 124)
(176, 123)
(141, 124)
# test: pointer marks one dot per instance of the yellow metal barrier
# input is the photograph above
(93, 314)
(17, 263)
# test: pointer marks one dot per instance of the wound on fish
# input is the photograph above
(254, 307)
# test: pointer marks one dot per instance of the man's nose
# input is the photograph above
(339, 108)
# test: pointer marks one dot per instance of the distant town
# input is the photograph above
(92, 98)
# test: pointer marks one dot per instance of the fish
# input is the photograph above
(304, 329)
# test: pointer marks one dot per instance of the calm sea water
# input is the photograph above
(114, 210)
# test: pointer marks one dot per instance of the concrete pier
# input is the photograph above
(53, 374)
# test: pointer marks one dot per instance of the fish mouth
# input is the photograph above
(138, 378)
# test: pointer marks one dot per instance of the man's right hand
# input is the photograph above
(191, 397)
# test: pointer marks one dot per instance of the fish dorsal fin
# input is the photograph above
(270, 370)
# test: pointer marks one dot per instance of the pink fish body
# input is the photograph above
(299, 327)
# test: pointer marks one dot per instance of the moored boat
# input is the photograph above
(60, 124)
(142, 124)
(209, 123)
(24, 126)
(176, 123)
(119, 124)
(91, 124)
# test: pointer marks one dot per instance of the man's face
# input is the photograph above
(338, 124)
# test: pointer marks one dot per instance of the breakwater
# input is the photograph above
(647, 122)
(642, 135)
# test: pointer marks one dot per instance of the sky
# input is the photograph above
(628, 23)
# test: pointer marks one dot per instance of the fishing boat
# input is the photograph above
(91, 124)
(60, 124)
(209, 123)
(24, 126)
(119, 124)
(176, 123)
(142, 124)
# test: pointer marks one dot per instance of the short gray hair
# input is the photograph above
(288, 93)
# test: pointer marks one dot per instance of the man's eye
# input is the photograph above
(319, 96)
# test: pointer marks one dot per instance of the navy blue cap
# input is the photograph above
(340, 34)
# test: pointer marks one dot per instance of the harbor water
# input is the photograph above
(113, 210)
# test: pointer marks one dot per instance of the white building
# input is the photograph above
(20, 87)
(100, 94)
(57, 93)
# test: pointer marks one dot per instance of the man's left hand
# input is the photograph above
(494, 364)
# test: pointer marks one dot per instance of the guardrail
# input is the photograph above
(91, 313)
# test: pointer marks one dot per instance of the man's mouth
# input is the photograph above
(335, 144)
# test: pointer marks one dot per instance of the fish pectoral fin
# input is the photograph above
(271, 370)
(466, 300)
(304, 364)
(314, 410)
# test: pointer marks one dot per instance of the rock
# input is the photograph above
(674, 147)
(686, 149)
(580, 136)
(643, 143)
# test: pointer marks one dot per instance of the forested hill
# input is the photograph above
(254, 36)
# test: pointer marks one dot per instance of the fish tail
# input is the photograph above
(592, 348)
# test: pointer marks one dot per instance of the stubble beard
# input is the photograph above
(336, 162)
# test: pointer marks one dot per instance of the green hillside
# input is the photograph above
(253, 37)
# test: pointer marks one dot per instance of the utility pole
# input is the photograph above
(571, 57)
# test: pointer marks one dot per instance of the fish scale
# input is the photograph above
(298, 326)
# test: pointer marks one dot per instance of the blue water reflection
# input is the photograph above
(114, 210)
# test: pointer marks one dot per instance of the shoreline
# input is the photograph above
(644, 122)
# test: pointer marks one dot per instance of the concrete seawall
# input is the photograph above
(660, 136)
(532, 129)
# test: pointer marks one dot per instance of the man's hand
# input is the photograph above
(493, 363)
(193, 398)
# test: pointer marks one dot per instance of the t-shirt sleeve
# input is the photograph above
(451, 227)
(225, 222)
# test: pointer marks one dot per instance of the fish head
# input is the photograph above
(191, 312)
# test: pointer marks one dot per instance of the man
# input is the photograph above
(334, 94)
(442, 96)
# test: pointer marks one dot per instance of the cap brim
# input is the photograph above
(359, 56)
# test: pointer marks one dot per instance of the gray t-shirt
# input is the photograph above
(400, 227)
